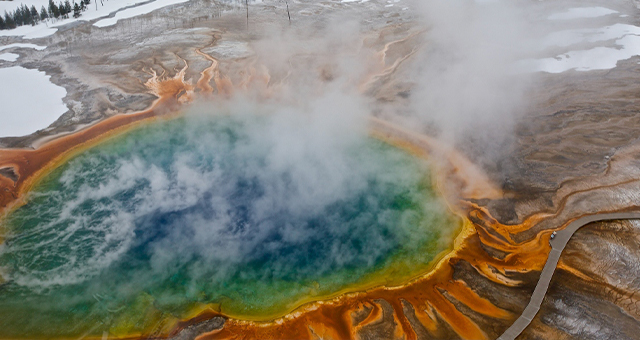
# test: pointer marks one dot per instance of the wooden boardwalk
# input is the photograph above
(557, 246)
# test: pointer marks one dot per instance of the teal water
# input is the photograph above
(241, 213)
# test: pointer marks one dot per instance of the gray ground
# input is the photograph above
(594, 293)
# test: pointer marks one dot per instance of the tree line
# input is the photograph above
(24, 15)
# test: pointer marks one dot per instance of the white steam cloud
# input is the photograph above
(467, 81)
(220, 198)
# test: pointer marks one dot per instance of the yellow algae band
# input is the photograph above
(249, 215)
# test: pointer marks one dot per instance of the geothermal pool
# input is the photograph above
(232, 213)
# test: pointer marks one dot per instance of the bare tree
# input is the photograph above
(288, 14)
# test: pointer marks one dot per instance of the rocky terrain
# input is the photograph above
(593, 294)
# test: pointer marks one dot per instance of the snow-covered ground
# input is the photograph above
(592, 35)
(135, 11)
(23, 45)
(9, 56)
(598, 58)
(617, 42)
(30, 102)
(103, 9)
(13, 56)
(582, 13)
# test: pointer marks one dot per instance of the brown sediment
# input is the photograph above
(211, 72)
(175, 87)
(383, 69)
(224, 85)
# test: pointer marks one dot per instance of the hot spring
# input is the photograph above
(249, 215)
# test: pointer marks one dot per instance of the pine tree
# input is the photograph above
(76, 10)
(26, 15)
(43, 14)
(34, 14)
(67, 7)
(54, 11)
(63, 11)
(22, 15)
(18, 18)
(8, 19)
(15, 16)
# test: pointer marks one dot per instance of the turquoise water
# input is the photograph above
(239, 213)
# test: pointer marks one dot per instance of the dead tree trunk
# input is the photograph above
(288, 14)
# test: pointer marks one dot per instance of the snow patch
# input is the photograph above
(571, 37)
(582, 13)
(136, 11)
(625, 37)
(23, 45)
(29, 32)
(30, 101)
(9, 56)
(599, 58)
